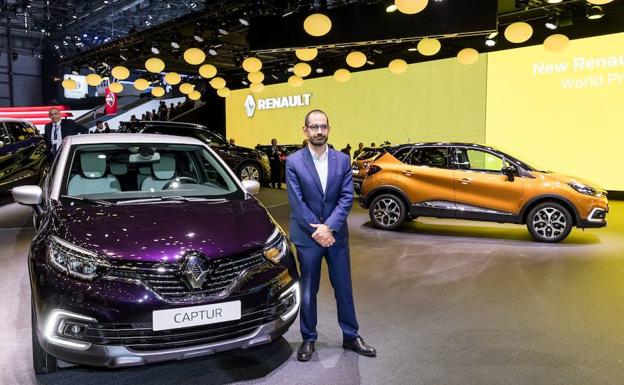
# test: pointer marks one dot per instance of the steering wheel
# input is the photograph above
(181, 180)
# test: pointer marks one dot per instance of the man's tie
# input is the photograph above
(56, 135)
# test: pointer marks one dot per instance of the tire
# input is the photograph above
(387, 212)
(250, 171)
(549, 222)
(43, 363)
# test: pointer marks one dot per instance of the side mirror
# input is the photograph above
(510, 172)
(252, 186)
(30, 195)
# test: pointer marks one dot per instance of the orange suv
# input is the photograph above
(469, 181)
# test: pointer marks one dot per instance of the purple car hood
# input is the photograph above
(163, 232)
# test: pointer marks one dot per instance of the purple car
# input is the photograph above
(148, 248)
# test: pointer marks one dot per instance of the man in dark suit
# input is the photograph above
(320, 193)
(275, 161)
(58, 129)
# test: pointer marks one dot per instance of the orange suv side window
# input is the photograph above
(436, 157)
(477, 160)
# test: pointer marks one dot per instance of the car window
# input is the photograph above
(402, 153)
(429, 157)
(479, 160)
(20, 131)
(5, 138)
(133, 171)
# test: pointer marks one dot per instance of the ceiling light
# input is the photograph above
(554, 1)
(391, 8)
(552, 22)
(222, 31)
(412, 49)
(491, 40)
(243, 21)
(198, 35)
(212, 52)
(288, 13)
(518, 32)
(595, 12)
(244, 82)
(319, 70)
(155, 48)
(317, 24)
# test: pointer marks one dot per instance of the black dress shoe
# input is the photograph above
(305, 351)
(359, 346)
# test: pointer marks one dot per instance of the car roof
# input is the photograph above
(14, 120)
(158, 123)
(130, 138)
(445, 144)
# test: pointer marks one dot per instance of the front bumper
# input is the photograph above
(596, 218)
(117, 356)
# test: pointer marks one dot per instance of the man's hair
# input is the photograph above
(307, 117)
(54, 108)
(98, 122)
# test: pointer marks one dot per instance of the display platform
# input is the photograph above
(443, 301)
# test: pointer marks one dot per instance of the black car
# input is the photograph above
(286, 149)
(23, 155)
(247, 163)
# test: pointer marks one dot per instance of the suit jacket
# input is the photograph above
(309, 205)
(68, 127)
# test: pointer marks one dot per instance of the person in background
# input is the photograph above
(99, 127)
(232, 142)
(154, 115)
(373, 145)
(347, 150)
(170, 111)
(133, 119)
(305, 143)
(359, 150)
(106, 128)
(320, 194)
(276, 165)
(58, 129)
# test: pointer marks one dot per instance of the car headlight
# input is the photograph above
(74, 260)
(585, 189)
(276, 246)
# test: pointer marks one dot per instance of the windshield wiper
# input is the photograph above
(175, 198)
(193, 199)
(87, 200)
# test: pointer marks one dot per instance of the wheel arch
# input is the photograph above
(550, 198)
(388, 190)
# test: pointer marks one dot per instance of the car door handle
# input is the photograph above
(464, 180)
(407, 172)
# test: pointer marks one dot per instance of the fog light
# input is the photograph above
(291, 298)
(74, 330)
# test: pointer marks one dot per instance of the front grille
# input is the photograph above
(141, 338)
(166, 279)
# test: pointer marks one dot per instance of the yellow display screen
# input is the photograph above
(561, 110)
(433, 101)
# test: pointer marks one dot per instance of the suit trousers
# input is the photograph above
(338, 263)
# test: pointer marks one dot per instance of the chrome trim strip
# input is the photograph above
(590, 217)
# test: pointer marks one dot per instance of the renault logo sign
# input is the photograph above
(196, 270)
(250, 106)
(290, 101)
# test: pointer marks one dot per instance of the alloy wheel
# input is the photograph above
(549, 223)
(387, 212)
(250, 172)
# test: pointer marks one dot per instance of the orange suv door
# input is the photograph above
(480, 186)
(426, 177)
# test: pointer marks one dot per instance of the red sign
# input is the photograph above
(110, 106)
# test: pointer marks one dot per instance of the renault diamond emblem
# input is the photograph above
(250, 105)
(196, 270)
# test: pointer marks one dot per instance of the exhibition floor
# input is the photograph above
(443, 301)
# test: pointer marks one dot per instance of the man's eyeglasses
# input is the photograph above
(316, 127)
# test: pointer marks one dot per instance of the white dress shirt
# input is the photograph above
(55, 136)
(321, 165)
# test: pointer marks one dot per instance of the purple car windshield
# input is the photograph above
(146, 171)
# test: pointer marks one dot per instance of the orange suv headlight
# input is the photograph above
(585, 189)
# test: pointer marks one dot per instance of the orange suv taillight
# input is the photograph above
(372, 170)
